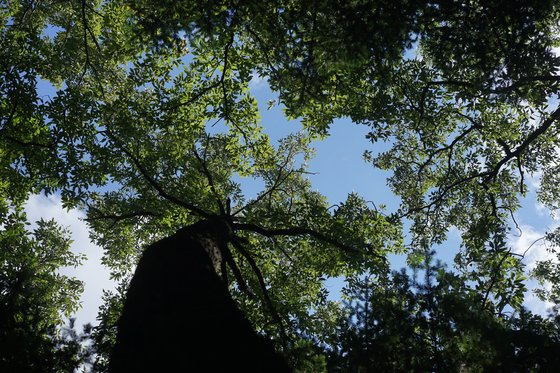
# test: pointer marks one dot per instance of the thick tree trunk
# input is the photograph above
(179, 316)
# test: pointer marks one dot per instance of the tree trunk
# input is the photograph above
(179, 316)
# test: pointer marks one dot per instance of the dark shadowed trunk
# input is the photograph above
(179, 316)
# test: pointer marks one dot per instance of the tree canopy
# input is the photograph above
(141, 114)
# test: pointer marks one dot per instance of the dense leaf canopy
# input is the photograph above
(141, 114)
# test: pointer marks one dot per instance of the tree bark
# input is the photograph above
(179, 316)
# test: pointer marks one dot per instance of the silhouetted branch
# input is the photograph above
(87, 30)
(506, 89)
(527, 142)
(194, 97)
(236, 271)
(442, 192)
(264, 290)
(297, 231)
(277, 182)
(210, 179)
(154, 184)
(492, 172)
(450, 146)
(493, 280)
(222, 77)
(119, 217)
(29, 143)
(106, 216)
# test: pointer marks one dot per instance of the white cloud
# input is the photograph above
(534, 181)
(530, 243)
(533, 303)
(542, 210)
(94, 275)
(533, 247)
(454, 233)
(257, 81)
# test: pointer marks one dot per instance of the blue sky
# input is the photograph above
(338, 169)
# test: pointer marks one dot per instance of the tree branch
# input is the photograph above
(298, 231)
(154, 184)
(277, 182)
(119, 217)
(264, 290)
(505, 89)
(493, 280)
(526, 143)
(210, 179)
(236, 271)
(492, 172)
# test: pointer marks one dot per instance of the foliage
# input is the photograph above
(35, 297)
(149, 124)
(147, 141)
(397, 323)
(103, 336)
